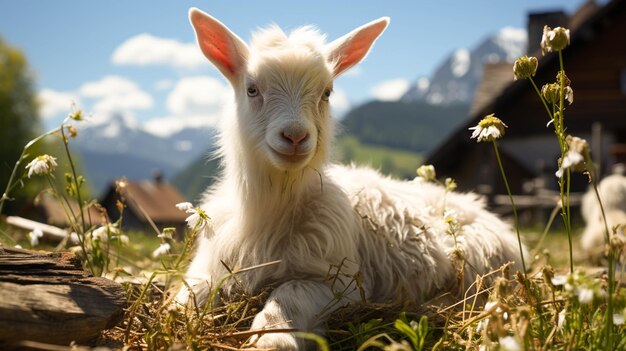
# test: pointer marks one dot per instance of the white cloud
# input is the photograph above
(54, 103)
(198, 94)
(115, 94)
(339, 103)
(146, 49)
(166, 126)
(390, 90)
(164, 84)
(194, 102)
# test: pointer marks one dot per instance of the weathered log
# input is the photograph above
(48, 297)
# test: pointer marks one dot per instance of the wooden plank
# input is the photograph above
(49, 231)
(48, 297)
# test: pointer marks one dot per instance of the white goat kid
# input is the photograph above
(612, 191)
(279, 198)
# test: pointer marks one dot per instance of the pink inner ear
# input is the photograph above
(357, 47)
(351, 56)
(217, 46)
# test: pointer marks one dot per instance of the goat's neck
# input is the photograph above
(269, 193)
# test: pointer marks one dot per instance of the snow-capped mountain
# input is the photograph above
(120, 147)
(457, 78)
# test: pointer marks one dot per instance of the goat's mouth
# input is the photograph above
(289, 160)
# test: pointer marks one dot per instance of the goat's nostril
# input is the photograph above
(295, 138)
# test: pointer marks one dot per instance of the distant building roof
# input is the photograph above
(147, 202)
(156, 199)
(496, 76)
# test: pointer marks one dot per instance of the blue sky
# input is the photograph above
(71, 46)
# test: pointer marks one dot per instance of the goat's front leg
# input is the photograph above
(298, 304)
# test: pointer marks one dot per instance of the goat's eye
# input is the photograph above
(252, 91)
(326, 95)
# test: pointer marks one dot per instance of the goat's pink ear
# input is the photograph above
(221, 46)
(350, 49)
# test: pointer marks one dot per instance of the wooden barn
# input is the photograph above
(595, 61)
(148, 204)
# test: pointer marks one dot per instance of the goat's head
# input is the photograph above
(282, 85)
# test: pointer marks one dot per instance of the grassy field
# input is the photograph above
(396, 162)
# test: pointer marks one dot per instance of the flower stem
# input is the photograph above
(76, 183)
(545, 104)
(10, 186)
(565, 188)
(508, 189)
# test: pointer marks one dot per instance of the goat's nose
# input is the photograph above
(294, 136)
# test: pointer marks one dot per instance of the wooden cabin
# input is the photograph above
(148, 204)
(595, 61)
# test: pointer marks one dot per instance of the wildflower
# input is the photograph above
(488, 129)
(34, 236)
(578, 150)
(198, 219)
(569, 94)
(72, 131)
(104, 232)
(449, 216)
(161, 250)
(509, 343)
(76, 115)
(167, 234)
(121, 185)
(450, 184)
(184, 206)
(618, 319)
(41, 165)
(525, 67)
(559, 280)
(563, 76)
(427, 172)
(585, 295)
(551, 93)
(554, 39)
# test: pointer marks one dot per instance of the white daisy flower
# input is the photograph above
(103, 233)
(574, 158)
(585, 295)
(618, 319)
(184, 206)
(559, 280)
(41, 165)
(167, 234)
(488, 129)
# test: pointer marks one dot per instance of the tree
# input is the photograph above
(19, 118)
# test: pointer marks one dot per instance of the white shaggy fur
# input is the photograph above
(279, 198)
(612, 191)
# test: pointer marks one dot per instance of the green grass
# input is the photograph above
(398, 163)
